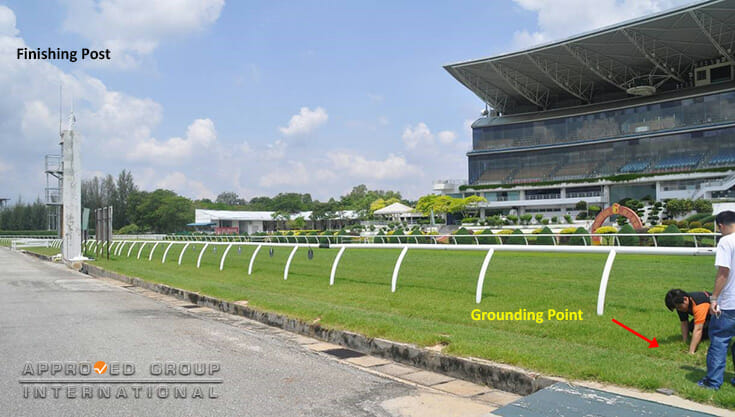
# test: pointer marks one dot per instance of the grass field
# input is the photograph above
(44, 251)
(435, 297)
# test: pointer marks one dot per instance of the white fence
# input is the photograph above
(118, 249)
(16, 244)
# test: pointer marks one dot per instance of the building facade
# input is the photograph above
(629, 111)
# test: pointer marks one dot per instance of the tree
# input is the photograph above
(676, 207)
(460, 205)
(297, 223)
(162, 211)
(701, 205)
(125, 187)
(440, 204)
(229, 198)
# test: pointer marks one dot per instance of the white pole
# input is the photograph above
(481, 278)
(252, 260)
(165, 253)
(141, 249)
(224, 255)
(335, 263)
(199, 259)
(397, 268)
(181, 255)
(288, 263)
(603, 282)
(130, 250)
(150, 256)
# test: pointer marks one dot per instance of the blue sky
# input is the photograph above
(206, 96)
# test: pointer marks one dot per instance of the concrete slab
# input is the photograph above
(319, 347)
(393, 369)
(427, 378)
(498, 398)
(368, 361)
(303, 340)
(435, 405)
(462, 388)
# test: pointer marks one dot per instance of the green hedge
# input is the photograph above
(464, 236)
(487, 238)
(516, 238)
(628, 240)
(580, 240)
(671, 240)
(545, 240)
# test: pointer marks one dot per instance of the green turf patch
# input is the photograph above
(435, 297)
(44, 251)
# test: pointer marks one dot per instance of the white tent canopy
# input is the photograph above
(395, 208)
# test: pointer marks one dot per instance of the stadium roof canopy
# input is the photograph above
(659, 51)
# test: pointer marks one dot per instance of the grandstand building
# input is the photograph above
(644, 108)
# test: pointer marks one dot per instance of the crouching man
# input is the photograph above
(691, 304)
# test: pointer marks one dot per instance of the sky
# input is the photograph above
(262, 97)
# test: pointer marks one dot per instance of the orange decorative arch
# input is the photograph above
(616, 208)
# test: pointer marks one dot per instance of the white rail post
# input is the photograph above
(334, 265)
(181, 255)
(397, 268)
(130, 250)
(165, 253)
(120, 248)
(199, 259)
(288, 262)
(141, 249)
(481, 277)
(112, 246)
(150, 256)
(603, 282)
(224, 256)
(252, 259)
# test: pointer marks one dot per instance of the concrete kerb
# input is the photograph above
(499, 376)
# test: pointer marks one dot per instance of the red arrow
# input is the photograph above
(651, 343)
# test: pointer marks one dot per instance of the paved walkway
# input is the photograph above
(50, 314)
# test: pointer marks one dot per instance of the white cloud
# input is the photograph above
(179, 183)
(361, 168)
(38, 120)
(245, 147)
(446, 136)
(7, 22)
(297, 173)
(419, 135)
(200, 135)
(304, 122)
(132, 29)
(275, 150)
(555, 21)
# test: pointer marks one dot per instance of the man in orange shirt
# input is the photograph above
(695, 304)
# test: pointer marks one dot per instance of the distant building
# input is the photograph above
(645, 108)
(250, 222)
(4, 202)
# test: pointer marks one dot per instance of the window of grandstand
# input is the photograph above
(681, 113)
(676, 152)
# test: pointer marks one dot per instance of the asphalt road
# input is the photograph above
(51, 314)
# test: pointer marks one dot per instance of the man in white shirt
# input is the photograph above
(722, 303)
